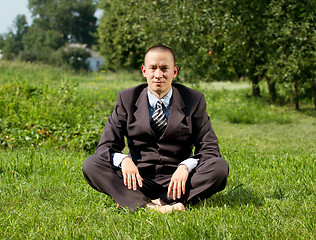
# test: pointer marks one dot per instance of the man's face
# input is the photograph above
(159, 70)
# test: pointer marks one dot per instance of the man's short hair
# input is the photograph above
(162, 48)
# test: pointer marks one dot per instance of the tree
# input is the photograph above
(40, 45)
(2, 40)
(75, 57)
(73, 19)
(128, 28)
(292, 56)
(121, 33)
(237, 39)
(221, 40)
(12, 41)
(229, 30)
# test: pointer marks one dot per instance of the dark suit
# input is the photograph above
(157, 157)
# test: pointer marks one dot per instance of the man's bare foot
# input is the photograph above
(158, 202)
(165, 208)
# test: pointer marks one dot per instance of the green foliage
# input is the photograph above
(12, 43)
(252, 112)
(236, 106)
(292, 54)
(124, 40)
(40, 45)
(217, 40)
(55, 23)
(47, 110)
(75, 57)
(73, 19)
(2, 42)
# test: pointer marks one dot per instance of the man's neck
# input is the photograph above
(166, 99)
(159, 95)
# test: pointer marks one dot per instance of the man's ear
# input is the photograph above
(175, 71)
(143, 70)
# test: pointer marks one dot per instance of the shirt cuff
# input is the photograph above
(118, 158)
(191, 163)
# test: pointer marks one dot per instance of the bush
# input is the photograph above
(75, 57)
(237, 107)
(253, 112)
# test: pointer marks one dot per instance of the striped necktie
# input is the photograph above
(158, 122)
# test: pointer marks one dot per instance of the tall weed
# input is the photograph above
(237, 107)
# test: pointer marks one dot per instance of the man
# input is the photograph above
(162, 122)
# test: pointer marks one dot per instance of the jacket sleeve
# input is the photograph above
(206, 142)
(112, 139)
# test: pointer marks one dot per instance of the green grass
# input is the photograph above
(43, 195)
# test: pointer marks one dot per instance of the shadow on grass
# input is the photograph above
(308, 110)
(236, 196)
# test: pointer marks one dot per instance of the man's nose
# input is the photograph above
(158, 73)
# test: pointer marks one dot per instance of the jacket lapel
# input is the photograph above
(141, 114)
(176, 114)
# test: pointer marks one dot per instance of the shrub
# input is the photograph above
(75, 57)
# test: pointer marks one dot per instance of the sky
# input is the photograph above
(9, 9)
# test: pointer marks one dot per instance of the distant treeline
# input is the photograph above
(272, 41)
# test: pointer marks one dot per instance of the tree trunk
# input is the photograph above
(255, 86)
(272, 90)
(314, 92)
(296, 101)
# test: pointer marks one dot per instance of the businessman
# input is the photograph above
(163, 123)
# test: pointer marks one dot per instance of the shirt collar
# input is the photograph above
(165, 100)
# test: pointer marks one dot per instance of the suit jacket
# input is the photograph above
(188, 127)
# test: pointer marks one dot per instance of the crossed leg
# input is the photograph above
(208, 178)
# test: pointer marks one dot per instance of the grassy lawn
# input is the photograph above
(43, 195)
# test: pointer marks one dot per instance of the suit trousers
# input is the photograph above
(206, 179)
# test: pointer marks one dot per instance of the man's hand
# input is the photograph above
(178, 182)
(130, 174)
